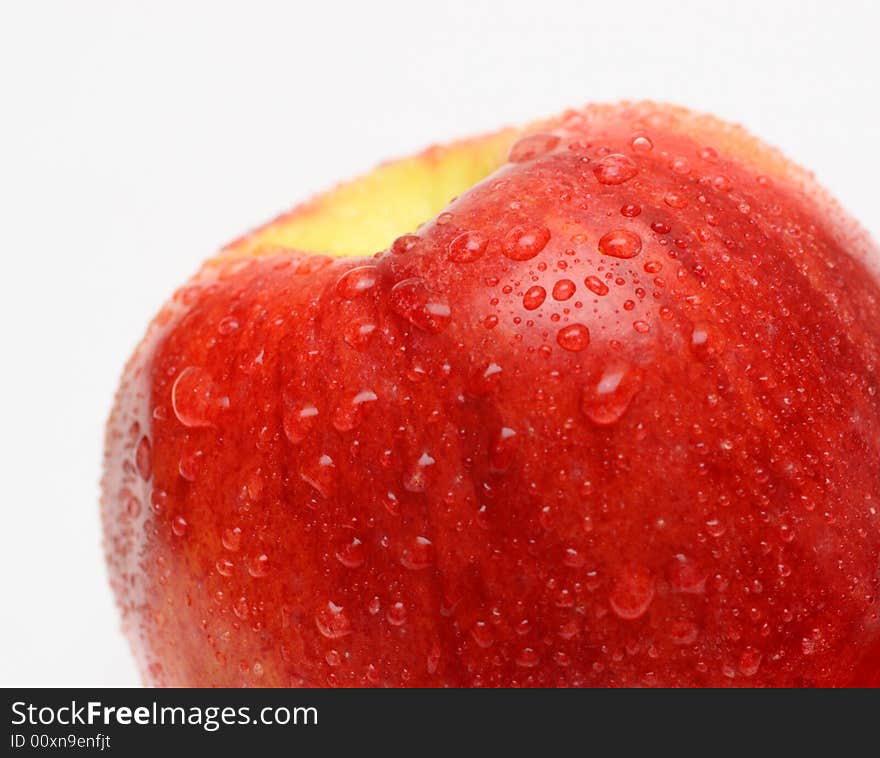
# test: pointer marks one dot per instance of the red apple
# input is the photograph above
(610, 418)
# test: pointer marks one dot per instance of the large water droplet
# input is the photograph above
(231, 539)
(528, 657)
(332, 621)
(533, 146)
(179, 526)
(534, 297)
(351, 553)
(503, 449)
(574, 337)
(358, 332)
(321, 476)
(195, 398)
(299, 421)
(596, 285)
(258, 565)
(467, 247)
(416, 479)
(620, 243)
(606, 401)
(633, 592)
(564, 289)
(396, 614)
(685, 575)
(350, 413)
(486, 379)
(418, 555)
(227, 325)
(482, 634)
(675, 200)
(641, 144)
(749, 661)
(356, 281)
(524, 242)
(412, 300)
(615, 168)
(405, 244)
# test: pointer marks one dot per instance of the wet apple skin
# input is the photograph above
(414, 470)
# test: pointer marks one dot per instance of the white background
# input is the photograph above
(135, 138)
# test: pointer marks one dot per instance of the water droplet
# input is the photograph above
(633, 592)
(190, 465)
(699, 338)
(332, 621)
(351, 413)
(605, 402)
(158, 501)
(683, 632)
(227, 325)
(195, 398)
(444, 218)
(680, 165)
(298, 422)
(564, 289)
(258, 565)
(596, 285)
(396, 614)
(356, 281)
(630, 210)
(485, 380)
(503, 449)
(482, 634)
(405, 244)
(533, 146)
(231, 539)
(358, 333)
(416, 479)
(351, 554)
(675, 200)
(574, 337)
(641, 144)
(534, 297)
(620, 243)
(642, 327)
(225, 567)
(524, 242)
(749, 661)
(240, 608)
(467, 247)
(412, 300)
(433, 660)
(418, 555)
(660, 227)
(179, 526)
(715, 527)
(321, 476)
(722, 183)
(615, 168)
(573, 557)
(709, 154)
(528, 657)
(144, 458)
(686, 576)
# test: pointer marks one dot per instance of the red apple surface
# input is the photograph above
(610, 417)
